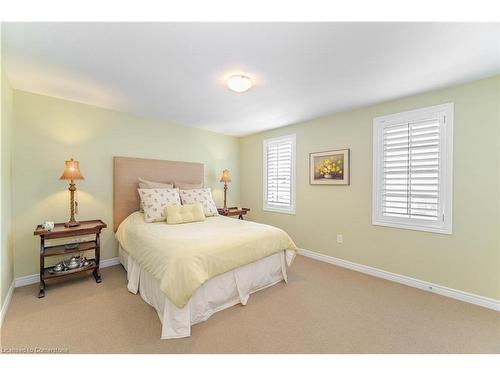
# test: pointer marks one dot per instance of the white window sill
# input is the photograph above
(413, 227)
(279, 210)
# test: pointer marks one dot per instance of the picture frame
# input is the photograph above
(329, 167)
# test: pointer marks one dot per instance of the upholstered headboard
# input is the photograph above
(126, 175)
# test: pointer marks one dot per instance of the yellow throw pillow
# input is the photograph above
(187, 213)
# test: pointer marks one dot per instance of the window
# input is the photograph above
(412, 169)
(279, 174)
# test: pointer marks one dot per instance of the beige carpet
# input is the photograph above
(323, 309)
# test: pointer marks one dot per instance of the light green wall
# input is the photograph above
(48, 131)
(6, 259)
(467, 260)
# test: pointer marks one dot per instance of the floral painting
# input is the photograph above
(329, 168)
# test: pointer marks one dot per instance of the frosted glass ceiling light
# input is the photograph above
(239, 83)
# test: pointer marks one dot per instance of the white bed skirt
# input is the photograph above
(218, 293)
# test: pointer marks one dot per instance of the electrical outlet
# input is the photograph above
(340, 238)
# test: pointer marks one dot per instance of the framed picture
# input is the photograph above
(329, 167)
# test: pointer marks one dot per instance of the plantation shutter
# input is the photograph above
(279, 162)
(411, 170)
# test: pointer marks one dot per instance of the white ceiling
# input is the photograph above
(176, 71)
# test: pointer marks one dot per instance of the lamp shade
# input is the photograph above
(71, 170)
(225, 176)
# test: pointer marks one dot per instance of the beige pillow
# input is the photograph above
(145, 184)
(188, 213)
(188, 186)
(154, 202)
(203, 196)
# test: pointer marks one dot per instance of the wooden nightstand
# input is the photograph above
(234, 211)
(60, 231)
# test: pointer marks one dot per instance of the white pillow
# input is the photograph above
(203, 196)
(154, 202)
(145, 184)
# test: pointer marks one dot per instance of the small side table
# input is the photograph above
(60, 231)
(234, 211)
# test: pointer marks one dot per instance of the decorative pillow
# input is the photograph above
(154, 202)
(188, 186)
(145, 184)
(184, 214)
(203, 196)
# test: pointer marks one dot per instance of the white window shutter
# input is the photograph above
(413, 169)
(279, 174)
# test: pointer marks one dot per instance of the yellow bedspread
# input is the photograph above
(184, 256)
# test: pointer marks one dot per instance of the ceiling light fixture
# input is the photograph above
(239, 83)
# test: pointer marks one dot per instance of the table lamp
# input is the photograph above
(72, 172)
(225, 178)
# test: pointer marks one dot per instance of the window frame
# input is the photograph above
(269, 206)
(445, 225)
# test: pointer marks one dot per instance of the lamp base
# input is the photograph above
(71, 223)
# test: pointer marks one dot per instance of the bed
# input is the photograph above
(188, 272)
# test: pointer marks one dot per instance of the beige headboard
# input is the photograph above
(127, 171)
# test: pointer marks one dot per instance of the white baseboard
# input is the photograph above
(475, 299)
(26, 280)
(109, 262)
(33, 279)
(6, 303)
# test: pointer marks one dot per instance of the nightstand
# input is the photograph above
(234, 211)
(60, 231)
